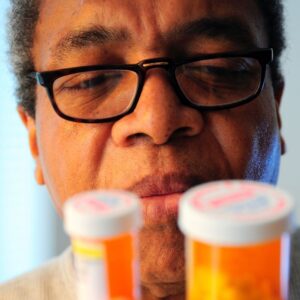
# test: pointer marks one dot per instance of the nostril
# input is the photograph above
(161, 138)
(183, 131)
(138, 138)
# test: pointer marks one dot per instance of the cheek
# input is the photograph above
(249, 138)
(235, 140)
(70, 153)
(266, 148)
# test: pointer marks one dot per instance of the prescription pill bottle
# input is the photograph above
(237, 241)
(103, 226)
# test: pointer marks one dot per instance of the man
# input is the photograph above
(177, 93)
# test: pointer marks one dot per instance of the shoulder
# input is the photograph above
(295, 249)
(52, 281)
(295, 266)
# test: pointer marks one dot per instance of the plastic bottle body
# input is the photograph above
(106, 269)
(103, 227)
(237, 241)
(248, 272)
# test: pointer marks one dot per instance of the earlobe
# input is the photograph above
(29, 123)
(39, 177)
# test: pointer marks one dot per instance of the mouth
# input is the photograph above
(160, 196)
(160, 209)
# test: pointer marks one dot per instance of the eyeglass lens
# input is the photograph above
(95, 94)
(219, 81)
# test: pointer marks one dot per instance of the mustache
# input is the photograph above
(156, 185)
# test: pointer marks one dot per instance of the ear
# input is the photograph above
(278, 92)
(29, 123)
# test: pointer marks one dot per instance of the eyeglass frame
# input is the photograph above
(47, 79)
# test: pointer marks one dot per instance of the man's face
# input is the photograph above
(163, 147)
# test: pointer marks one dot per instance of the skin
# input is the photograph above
(163, 147)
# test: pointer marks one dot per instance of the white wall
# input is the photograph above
(30, 232)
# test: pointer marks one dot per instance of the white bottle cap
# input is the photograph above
(235, 212)
(102, 214)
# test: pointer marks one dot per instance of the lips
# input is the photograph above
(161, 194)
(159, 185)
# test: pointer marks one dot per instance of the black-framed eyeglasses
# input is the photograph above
(105, 93)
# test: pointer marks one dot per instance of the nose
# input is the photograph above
(159, 115)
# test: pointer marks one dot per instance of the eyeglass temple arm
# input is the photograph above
(37, 76)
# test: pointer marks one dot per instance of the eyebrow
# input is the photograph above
(89, 36)
(228, 28)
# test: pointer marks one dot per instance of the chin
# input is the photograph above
(171, 292)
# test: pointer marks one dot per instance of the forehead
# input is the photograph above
(144, 22)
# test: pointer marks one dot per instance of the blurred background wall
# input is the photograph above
(30, 231)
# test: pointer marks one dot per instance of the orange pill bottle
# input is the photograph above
(237, 241)
(103, 226)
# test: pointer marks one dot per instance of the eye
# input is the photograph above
(89, 81)
(219, 81)
(222, 72)
(224, 67)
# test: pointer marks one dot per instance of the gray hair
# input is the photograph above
(22, 18)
